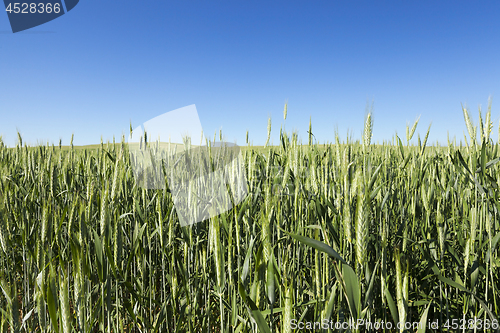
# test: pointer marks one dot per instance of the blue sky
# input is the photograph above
(106, 63)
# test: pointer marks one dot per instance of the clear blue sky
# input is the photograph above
(107, 63)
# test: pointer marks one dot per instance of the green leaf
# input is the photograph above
(495, 241)
(246, 263)
(100, 259)
(405, 162)
(476, 182)
(401, 148)
(51, 300)
(318, 246)
(460, 287)
(331, 303)
(253, 310)
(490, 163)
(352, 290)
(270, 280)
(392, 306)
(109, 155)
(423, 319)
(371, 284)
(483, 157)
(373, 178)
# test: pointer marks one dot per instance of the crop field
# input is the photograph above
(337, 232)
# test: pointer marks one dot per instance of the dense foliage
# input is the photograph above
(348, 230)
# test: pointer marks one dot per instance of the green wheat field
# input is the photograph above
(343, 231)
